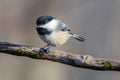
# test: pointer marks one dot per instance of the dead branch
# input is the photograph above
(81, 61)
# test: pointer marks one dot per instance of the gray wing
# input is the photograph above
(63, 26)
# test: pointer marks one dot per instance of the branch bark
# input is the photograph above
(81, 61)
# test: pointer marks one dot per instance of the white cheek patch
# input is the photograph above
(52, 25)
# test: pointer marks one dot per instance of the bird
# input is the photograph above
(54, 32)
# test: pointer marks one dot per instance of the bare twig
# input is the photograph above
(82, 61)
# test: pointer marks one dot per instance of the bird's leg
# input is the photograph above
(45, 49)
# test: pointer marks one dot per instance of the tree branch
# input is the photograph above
(82, 61)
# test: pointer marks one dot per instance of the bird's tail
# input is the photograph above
(77, 37)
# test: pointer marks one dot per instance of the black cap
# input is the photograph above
(43, 20)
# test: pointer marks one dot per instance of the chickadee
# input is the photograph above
(54, 32)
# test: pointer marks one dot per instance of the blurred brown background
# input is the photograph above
(98, 21)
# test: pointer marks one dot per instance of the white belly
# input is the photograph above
(56, 38)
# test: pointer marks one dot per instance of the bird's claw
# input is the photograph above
(44, 50)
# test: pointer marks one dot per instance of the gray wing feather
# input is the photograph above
(63, 26)
(77, 37)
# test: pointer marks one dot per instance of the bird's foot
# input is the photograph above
(45, 49)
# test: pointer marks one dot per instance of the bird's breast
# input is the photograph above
(56, 38)
(61, 37)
